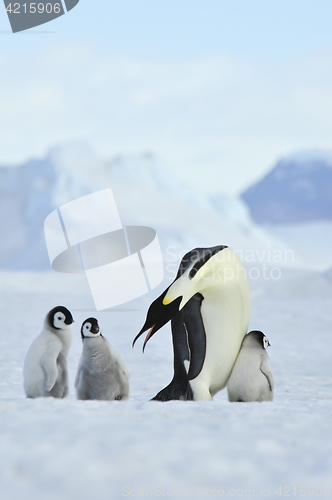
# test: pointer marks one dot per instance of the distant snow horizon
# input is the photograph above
(69, 153)
(147, 192)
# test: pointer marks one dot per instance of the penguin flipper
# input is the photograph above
(122, 368)
(48, 362)
(189, 341)
(179, 388)
(78, 373)
(175, 391)
(193, 321)
(266, 370)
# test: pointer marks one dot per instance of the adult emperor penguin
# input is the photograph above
(45, 366)
(251, 378)
(209, 307)
(101, 373)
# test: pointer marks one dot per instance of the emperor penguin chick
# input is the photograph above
(251, 378)
(45, 366)
(101, 373)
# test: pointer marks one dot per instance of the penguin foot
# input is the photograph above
(175, 392)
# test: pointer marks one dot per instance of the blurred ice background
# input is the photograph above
(212, 124)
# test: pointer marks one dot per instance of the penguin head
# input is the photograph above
(171, 301)
(256, 337)
(266, 342)
(158, 315)
(59, 318)
(206, 269)
(90, 328)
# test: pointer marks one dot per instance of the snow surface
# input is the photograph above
(68, 449)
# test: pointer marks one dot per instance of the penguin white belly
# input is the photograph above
(37, 368)
(225, 313)
(34, 377)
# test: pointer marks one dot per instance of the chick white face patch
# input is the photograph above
(86, 235)
(266, 343)
(59, 321)
(86, 331)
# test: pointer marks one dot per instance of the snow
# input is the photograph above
(69, 449)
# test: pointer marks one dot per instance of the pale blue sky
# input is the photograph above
(182, 29)
(218, 90)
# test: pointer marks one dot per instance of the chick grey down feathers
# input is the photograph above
(101, 373)
(251, 378)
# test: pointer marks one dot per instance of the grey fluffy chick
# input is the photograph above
(251, 378)
(101, 373)
(45, 366)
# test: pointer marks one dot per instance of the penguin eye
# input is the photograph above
(59, 317)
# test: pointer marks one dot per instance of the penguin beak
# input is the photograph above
(158, 315)
(149, 335)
